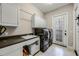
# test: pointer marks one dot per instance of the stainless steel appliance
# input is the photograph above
(32, 46)
(50, 37)
(44, 38)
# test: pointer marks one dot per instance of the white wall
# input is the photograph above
(24, 25)
(69, 9)
(76, 27)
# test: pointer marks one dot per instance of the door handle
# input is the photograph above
(65, 33)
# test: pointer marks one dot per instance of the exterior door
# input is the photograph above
(60, 29)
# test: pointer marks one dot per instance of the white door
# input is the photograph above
(17, 52)
(60, 29)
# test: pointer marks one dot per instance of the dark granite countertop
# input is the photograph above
(4, 42)
(15, 35)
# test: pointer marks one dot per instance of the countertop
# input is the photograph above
(14, 35)
(13, 40)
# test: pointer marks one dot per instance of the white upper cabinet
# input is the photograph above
(38, 22)
(0, 15)
(9, 14)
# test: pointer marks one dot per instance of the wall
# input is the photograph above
(69, 9)
(24, 25)
(76, 27)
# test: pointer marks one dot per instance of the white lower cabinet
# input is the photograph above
(13, 50)
(17, 49)
(17, 52)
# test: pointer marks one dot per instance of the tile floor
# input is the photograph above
(56, 50)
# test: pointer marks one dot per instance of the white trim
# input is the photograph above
(67, 23)
(74, 29)
(67, 29)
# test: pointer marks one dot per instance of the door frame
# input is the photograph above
(66, 27)
(74, 26)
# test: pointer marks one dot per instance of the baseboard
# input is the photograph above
(36, 53)
(69, 47)
(76, 52)
(59, 45)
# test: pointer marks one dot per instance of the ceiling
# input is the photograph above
(47, 7)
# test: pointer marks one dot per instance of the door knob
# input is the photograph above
(65, 33)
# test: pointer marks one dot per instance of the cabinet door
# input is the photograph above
(0, 15)
(18, 52)
(9, 15)
(38, 21)
(13, 50)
